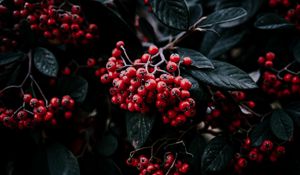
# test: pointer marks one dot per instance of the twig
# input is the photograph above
(126, 55)
(173, 164)
(40, 90)
(26, 77)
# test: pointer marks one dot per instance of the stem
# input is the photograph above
(26, 77)
(40, 90)
(173, 164)
(126, 55)
(183, 144)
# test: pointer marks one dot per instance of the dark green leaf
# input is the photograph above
(107, 145)
(249, 5)
(75, 86)
(45, 62)
(224, 76)
(196, 147)
(282, 125)
(223, 16)
(195, 10)
(173, 13)
(6, 58)
(138, 126)
(293, 109)
(271, 21)
(260, 132)
(216, 156)
(196, 91)
(225, 43)
(61, 161)
(199, 60)
(297, 52)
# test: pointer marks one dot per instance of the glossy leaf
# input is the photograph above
(75, 86)
(271, 21)
(139, 126)
(223, 16)
(297, 52)
(293, 109)
(173, 13)
(260, 132)
(61, 161)
(199, 60)
(6, 58)
(216, 156)
(224, 76)
(227, 41)
(282, 125)
(107, 145)
(45, 61)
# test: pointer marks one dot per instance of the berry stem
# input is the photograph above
(173, 164)
(126, 55)
(40, 90)
(26, 77)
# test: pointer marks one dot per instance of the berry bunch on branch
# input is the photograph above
(151, 80)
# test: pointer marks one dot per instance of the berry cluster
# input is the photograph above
(138, 85)
(291, 10)
(225, 111)
(34, 112)
(60, 23)
(281, 83)
(148, 166)
(249, 156)
(7, 36)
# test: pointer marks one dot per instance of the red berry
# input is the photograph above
(251, 104)
(21, 115)
(27, 98)
(153, 50)
(185, 84)
(266, 145)
(67, 71)
(261, 60)
(65, 27)
(48, 116)
(184, 106)
(172, 66)
(175, 58)
(111, 66)
(184, 94)
(116, 52)
(51, 21)
(184, 168)
(34, 102)
(75, 9)
(145, 57)
(41, 110)
(280, 150)
(295, 80)
(68, 115)
(55, 102)
(120, 44)
(161, 86)
(143, 160)
(91, 62)
(269, 64)
(187, 61)
(287, 77)
(216, 113)
(253, 155)
(242, 162)
(150, 84)
(141, 73)
(270, 56)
